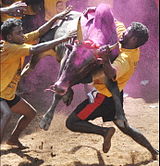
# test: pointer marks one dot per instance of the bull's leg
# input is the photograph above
(48, 116)
(138, 137)
(119, 115)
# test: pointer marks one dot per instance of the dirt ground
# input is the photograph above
(60, 147)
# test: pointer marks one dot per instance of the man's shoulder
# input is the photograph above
(130, 54)
(130, 51)
(32, 33)
(31, 36)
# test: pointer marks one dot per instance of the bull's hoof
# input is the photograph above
(45, 123)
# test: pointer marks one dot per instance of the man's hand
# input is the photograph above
(103, 52)
(63, 14)
(70, 35)
(17, 9)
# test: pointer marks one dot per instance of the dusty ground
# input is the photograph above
(60, 147)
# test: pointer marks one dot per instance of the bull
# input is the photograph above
(79, 59)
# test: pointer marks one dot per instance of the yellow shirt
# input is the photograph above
(11, 62)
(125, 65)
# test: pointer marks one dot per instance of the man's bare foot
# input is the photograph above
(107, 139)
(16, 143)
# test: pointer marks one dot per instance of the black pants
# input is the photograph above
(103, 106)
(13, 102)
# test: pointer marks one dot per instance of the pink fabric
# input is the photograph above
(102, 29)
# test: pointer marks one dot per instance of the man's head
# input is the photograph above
(135, 36)
(12, 31)
(60, 6)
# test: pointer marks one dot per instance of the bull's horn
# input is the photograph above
(79, 30)
(111, 47)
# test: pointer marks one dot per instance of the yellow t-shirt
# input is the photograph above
(125, 65)
(11, 63)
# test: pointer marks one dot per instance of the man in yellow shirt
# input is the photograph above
(103, 105)
(15, 48)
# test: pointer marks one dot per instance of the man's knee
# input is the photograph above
(33, 114)
(71, 122)
(126, 129)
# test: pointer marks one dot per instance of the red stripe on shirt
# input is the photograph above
(90, 108)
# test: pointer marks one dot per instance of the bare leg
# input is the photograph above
(48, 116)
(139, 138)
(113, 88)
(28, 113)
(75, 124)
(5, 116)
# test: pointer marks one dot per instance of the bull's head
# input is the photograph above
(81, 62)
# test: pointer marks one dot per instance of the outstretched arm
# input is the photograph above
(16, 9)
(36, 49)
(48, 25)
(108, 68)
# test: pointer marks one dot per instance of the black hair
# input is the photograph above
(141, 32)
(8, 25)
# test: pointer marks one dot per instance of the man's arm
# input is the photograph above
(108, 68)
(36, 49)
(16, 9)
(48, 25)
